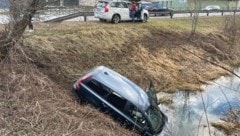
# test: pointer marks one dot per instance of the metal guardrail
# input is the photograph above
(70, 16)
(170, 13)
(191, 12)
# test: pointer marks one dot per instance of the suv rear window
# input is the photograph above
(102, 4)
(98, 88)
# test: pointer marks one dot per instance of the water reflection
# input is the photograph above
(191, 113)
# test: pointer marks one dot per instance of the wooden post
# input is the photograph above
(61, 3)
(85, 17)
(79, 2)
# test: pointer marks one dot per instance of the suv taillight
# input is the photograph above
(81, 80)
(106, 9)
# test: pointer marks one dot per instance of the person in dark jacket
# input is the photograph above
(133, 10)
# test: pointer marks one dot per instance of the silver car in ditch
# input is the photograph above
(121, 98)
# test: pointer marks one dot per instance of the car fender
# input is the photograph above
(144, 11)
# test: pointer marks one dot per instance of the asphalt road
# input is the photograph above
(42, 18)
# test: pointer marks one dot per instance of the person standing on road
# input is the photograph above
(133, 10)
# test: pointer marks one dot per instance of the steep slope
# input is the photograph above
(170, 58)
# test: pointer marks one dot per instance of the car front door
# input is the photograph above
(137, 116)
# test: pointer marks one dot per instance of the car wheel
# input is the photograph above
(145, 18)
(116, 19)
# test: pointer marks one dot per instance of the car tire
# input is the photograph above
(145, 18)
(116, 19)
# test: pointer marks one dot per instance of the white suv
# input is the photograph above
(116, 11)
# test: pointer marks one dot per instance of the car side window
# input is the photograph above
(135, 114)
(122, 5)
(117, 101)
(129, 5)
(98, 88)
(114, 4)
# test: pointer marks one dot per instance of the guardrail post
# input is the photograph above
(85, 17)
(207, 13)
(222, 13)
(171, 14)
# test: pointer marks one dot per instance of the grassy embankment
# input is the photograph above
(151, 51)
(38, 75)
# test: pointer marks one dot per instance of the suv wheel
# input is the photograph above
(116, 19)
(145, 18)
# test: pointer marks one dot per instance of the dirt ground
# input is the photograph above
(38, 74)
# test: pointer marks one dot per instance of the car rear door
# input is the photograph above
(124, 11)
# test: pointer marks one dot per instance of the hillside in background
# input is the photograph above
(37, 75)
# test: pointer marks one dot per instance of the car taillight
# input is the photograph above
(106, 9)
(81, 80)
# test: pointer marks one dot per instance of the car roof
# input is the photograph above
(122, 86)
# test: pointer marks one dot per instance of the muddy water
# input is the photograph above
(191, 114)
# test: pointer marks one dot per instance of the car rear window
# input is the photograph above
(98, 88)
(102, 4)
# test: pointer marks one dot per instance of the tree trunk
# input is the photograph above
(17, 25)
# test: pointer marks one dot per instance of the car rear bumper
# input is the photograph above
(101, 15)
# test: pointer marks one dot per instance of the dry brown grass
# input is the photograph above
(227, 127)
(230, 124)
(140, 53)
(31, 104)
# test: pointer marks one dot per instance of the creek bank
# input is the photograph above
(192, 113)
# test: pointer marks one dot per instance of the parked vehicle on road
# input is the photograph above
(121, 98)
(158, 9)
(117, 11)
(145, 4)
(211, 8)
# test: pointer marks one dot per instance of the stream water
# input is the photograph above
(191, 114)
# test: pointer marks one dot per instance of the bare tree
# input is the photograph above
(231, 29)
(20, 13)
(196, 7)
